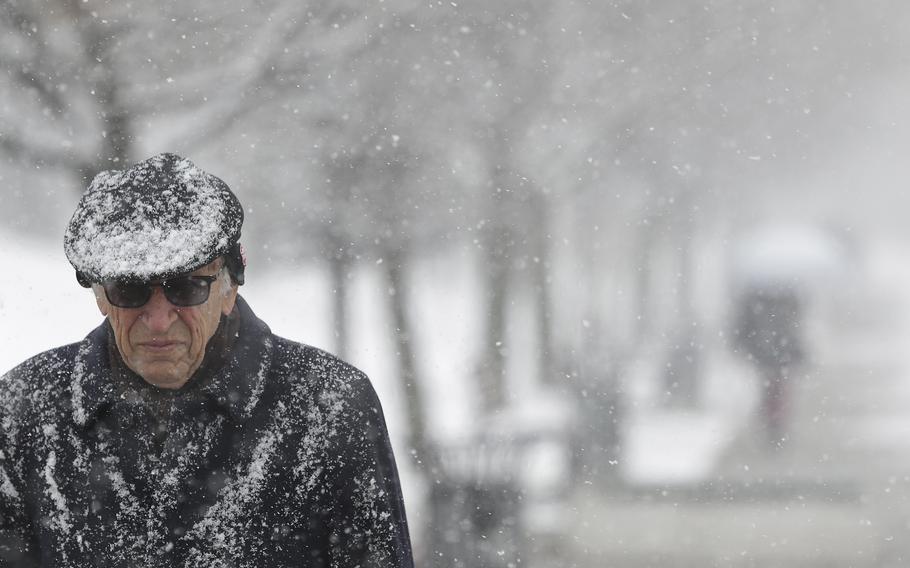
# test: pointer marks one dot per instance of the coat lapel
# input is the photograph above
(188, 463)
(113, 497)
(150, 513)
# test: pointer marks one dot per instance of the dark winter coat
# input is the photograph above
(768, 328)
(282, 459)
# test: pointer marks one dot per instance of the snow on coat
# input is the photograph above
(283, 461)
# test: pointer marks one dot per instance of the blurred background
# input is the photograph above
(630, 278)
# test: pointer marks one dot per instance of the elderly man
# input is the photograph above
(181, 431)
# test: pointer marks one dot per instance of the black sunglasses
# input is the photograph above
(183, 291)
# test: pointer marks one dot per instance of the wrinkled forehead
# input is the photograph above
(210, 268)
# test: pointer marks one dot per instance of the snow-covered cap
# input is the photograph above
(160, 218)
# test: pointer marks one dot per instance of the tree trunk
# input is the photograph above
(116, 142)
(340, 265)
(684, 359)
(497, 241)
(395, 266)
(542, 286)
(117, 128)
(644, 255)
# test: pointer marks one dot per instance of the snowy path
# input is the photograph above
(836, 495)
(850, 411)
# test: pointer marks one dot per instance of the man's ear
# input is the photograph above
(228, 301)
(101, 300)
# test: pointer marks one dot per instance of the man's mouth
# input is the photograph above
(156, 345)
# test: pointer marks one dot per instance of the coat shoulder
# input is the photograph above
(35, 388)
(43, 372)
(324, 377)
(305, 362)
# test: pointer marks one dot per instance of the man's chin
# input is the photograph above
(166, 378)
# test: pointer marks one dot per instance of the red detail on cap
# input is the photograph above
(243, 255)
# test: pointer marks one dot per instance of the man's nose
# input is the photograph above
(158, 314)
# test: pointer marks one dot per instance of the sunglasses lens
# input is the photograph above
(127, 295)
(186, 291)
(189, 291)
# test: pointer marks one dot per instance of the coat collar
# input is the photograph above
(236, 387)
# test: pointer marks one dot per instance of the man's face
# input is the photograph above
(163, 343)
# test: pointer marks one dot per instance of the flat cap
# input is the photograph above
(160, 218)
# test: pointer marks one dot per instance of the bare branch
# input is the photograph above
(218, 122)
(29, 29)
(263, 52)
(18, 147)
(35, 81)
(263, 71)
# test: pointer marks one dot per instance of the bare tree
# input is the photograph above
(89, 83)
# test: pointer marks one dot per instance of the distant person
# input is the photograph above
(181, 431)
(768, 332)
